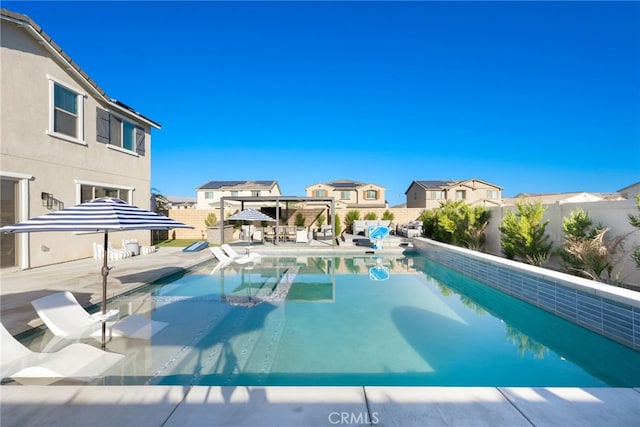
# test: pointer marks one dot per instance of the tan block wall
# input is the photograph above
(196, 217)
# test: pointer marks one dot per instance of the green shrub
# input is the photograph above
(300, 220)
(387, 215)
(371, 216)
(337, 227)
(456, 223)
(524, 235)
(210, 220)
(585, 251)
(320, 220)
(351, 216)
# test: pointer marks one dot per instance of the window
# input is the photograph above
(319, 193)
(123, 133)
(234, 193)
(255, 193)
(371, 195)
(66, 120)
(345, 195)
(89, 192)
(435, 195)
(461, 194)
(492, 194)
(208, 195)
(118, 132)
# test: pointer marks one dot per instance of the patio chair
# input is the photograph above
(222, 257)
(235, 255)
(270, 234)
(65, 317)
(76, 362)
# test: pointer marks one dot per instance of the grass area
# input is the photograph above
(177, 243)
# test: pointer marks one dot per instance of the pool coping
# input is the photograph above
(168, 406)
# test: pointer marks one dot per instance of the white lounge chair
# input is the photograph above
(235, 255)
(222, 257)
(65, 317)
(75, 362)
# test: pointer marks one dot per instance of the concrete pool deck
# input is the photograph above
(71, 405)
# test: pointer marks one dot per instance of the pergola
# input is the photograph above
(277, 201)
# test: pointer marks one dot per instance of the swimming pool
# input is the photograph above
(401, 320)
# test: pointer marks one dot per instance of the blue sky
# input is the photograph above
(531, 96)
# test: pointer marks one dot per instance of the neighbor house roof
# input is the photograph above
(238, 185)
(72, 68)
(344, 184)
(443, 185)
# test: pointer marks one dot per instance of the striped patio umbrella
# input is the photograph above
(250, 215)
(99, 215)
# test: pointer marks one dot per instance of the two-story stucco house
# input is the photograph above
(209, 194)
(63, 141)
(430, 194)
(350, 194)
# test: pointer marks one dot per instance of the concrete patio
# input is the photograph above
(72, 405)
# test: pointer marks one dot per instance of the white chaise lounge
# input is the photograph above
(65, 317)
(76, 362)
(235, 255)
(222, 257)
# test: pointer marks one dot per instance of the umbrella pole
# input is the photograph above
(105, 273)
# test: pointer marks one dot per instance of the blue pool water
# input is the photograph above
(359, 321)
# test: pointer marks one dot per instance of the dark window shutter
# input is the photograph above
(102, 125)
(140, 137)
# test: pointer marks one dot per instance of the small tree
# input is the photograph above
(388, 216)
(371, 216)
(428, 219)
(210, 219)
(300, 220)
(320, 220)
(524, 234)
(352, 216)
(457, 223)
(585, 251)
(337, 227)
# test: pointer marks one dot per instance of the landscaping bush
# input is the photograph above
(524, 235)
(371, 216)
(456, 223)
(585, 251)
(351, 216)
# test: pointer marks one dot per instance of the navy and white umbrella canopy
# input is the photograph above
(250, 215)
(103, 214)
(99, 215)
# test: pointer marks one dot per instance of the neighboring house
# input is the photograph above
(178, 202)
(547, 198)
(431, 194)
(350, 194)
(63, 141)
(630, 191)
(208, 195)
